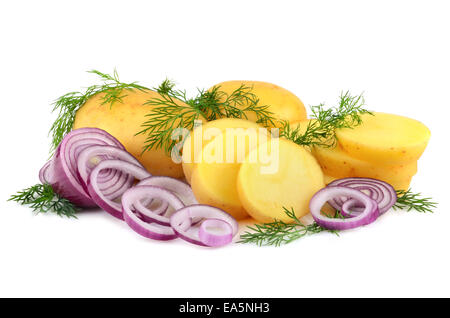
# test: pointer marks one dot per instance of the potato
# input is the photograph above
(283, 104)
(205, 133)
(385, 138)
(123, 121)
(214, 178)
(336, 162)
(297, 178)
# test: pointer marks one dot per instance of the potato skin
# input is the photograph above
(298, 178)
(385, 138)
(123, 121)
(282, 103)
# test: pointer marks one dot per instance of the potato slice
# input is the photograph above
(385, 138)
(336, 162)
(283, 104)
(201, 136)
(297, 178)
(214, 177)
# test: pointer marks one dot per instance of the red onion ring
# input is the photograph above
(45, 175)
(150, 230)
(368, 215)
(112, 207)
(181, 221)
(382, 192)
(212, 239)
(63, 169)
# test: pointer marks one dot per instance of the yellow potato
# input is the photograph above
(336, 162)
(214, 178)
(283, 104)
(202, 135)
(297, 178)
(385, 138)
(123, 121)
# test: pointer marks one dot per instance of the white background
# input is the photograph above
(397, 52)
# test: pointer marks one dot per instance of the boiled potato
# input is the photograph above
(297, 178)
(205, 133)
(385, 138)
(282, 103)
(336, 162)
(214, 178)
(123, 120)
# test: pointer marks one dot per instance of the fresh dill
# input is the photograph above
(67, 105)
(321, 130)
(277, 233)
(407, 200)
(42, 199)
(173, 109)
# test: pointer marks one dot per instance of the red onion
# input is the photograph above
(110, 206)
(181, 223)
(150, 230)
(45, 175)
(213, 239)
(63, 169)
(369, 214)
(383, 193)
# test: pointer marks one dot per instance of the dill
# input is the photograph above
(42, 199)
(408, 201)
(321, 131)
(67, 105)
(173, 109)
(277, 233)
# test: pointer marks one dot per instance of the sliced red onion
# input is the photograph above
(113, 183)
(150, 230)
(45, 175)
(181, 220)
(210, 238)
(368, 215)
(177, 187)
(110, 206)
(63, 169)
(382, 192)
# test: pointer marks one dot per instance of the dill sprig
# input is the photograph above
(278, 232)
(175, 110)
(321, 131)
(42, 199)
(67, 105)
(407, 200)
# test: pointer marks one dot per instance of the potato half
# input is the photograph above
(297, 178)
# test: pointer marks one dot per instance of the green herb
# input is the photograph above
(278, 232)
(68, 104)
(42, 199)
(414, 201)
(175, 110)
(321, 131)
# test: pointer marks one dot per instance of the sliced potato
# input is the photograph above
(214, 177)
(201, 136)
(283, 104)
(297, 178)
(385, 138)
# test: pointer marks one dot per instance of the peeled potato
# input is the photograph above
(123, 120)
(283, 104)
(336, 162)
(201, 136)
(295, 180)
(385, 138)
(214, 178)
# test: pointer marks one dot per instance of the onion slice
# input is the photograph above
(45, 175)
(181, 219)
(63, 169)
(150, 230)
(213, 239)
(382, 192)
(112, 207)
(367, 216)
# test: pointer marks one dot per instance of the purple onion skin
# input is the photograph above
(146, 233)
(64, 187)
